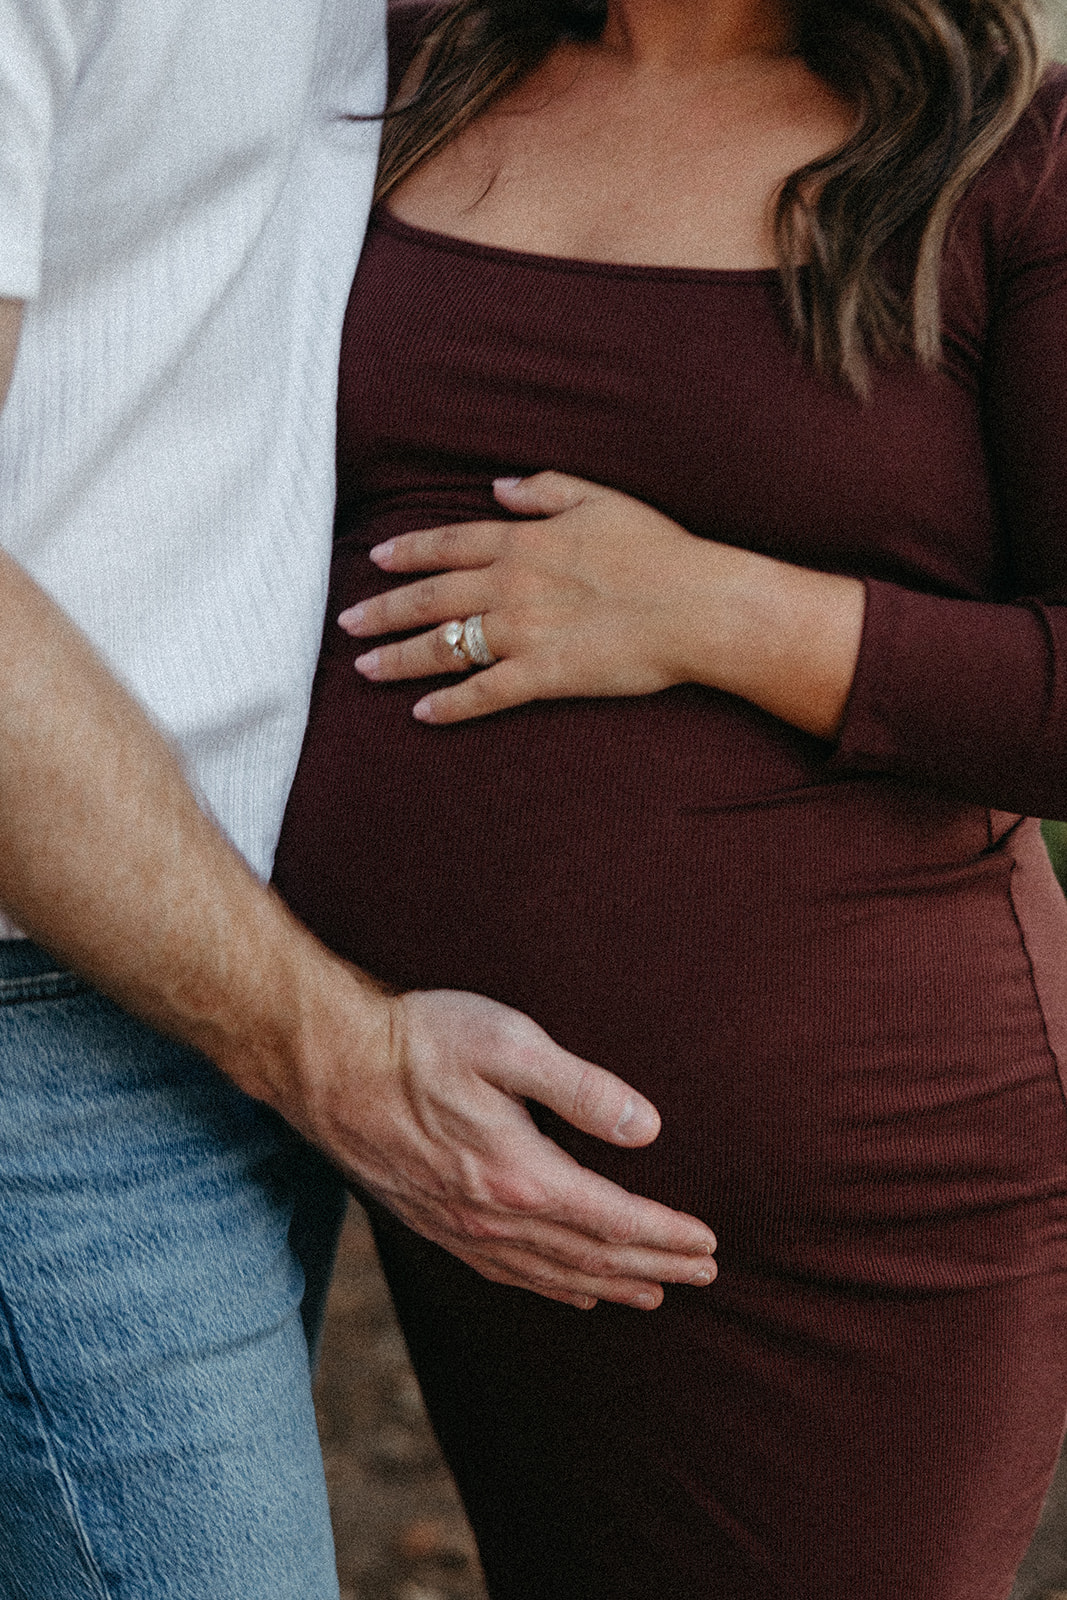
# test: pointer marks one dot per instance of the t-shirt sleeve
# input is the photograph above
(40, 46)
(966, 695)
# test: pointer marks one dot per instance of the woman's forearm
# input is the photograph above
(784, 637)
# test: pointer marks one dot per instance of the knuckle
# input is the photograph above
(480, 697)
(590, 1262)
(516, 1195)
(589, 1097)
(557, 682)
(487, 1268)
(523, 540)
(621, 1228)
(518, 593)
(479, 1225)
(506, 597)
(425, 599)
(378, 615)
(519, 1270)
(453, 705)
(560, 491)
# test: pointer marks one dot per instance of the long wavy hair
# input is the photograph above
(937, 86)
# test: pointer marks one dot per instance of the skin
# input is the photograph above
(662, 143)
(106, 859)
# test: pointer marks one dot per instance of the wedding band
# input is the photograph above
(474, 646)
(466, 640)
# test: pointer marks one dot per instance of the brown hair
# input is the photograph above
(937, 86)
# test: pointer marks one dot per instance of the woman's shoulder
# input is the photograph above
(1036, 149)
(1019, 198)
(1046, 114)
(1006, 249)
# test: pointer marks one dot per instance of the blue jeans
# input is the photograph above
(157, 1436)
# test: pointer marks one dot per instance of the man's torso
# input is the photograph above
(186, 177)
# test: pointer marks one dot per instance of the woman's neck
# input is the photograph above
(661, 143)
(695, 37)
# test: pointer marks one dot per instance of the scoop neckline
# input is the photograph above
(432, 239)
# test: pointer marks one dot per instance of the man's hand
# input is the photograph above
(427, 1111)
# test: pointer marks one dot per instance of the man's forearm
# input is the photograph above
(106, 858)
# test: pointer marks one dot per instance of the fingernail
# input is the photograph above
(351, 618)
(506, 483)
(369, 665)
(647, 1302)
(638, 1121)
(382, 552)
(702, 1278)
(584, 1302)
(422, 711)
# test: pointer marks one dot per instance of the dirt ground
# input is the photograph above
(1043, 1575)
(400, 1530)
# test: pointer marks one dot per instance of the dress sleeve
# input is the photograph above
(42, 43)
(967, 695)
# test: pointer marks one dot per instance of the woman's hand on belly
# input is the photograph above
(601, 595)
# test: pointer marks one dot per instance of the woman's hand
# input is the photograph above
(600, 595)
(586, 599)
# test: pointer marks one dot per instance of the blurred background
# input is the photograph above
(400, 1530)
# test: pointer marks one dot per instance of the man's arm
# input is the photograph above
(106, 859)
(10, 324)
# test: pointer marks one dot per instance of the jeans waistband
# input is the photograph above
(29, 973)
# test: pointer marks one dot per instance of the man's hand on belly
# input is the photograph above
(421, 1098)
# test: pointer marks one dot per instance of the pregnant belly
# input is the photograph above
(820, 984)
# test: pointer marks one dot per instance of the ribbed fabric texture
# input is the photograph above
(182, 197)
(838, 974)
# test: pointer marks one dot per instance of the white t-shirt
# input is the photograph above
(182, 202)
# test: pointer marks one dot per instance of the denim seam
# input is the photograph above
(55, 985)
(62, 1479)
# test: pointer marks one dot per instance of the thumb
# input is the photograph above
(586, 1096)
(545, 494)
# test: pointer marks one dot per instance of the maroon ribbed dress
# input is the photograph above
(840, 973)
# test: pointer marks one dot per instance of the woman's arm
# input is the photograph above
(967, 695)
